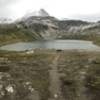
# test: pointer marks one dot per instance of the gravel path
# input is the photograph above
(55, 83)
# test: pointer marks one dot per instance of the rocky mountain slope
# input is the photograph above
(41, 26)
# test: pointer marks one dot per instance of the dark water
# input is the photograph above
(55, 44)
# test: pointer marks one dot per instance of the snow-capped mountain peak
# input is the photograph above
(40, 13)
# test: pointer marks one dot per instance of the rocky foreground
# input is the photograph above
(50, 75)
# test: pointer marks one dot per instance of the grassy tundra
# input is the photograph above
(27, 76)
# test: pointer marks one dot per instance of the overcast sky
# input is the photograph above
(74, 9)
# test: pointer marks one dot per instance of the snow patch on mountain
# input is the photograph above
(40, 13)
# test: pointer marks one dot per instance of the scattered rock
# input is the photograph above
(10, 89)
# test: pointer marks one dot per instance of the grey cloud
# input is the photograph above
(4, 13)
(90, 17)
(5, 10)
(4, 3)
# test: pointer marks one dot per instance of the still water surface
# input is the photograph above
(55, 44)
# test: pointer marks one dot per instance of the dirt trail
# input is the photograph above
(55, 83)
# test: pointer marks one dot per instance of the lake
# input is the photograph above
(54, 44)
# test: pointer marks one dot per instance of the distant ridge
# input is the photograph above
(5, 20)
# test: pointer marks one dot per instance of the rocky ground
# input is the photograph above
(50, 75)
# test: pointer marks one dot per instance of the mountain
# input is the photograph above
(40, 13)
(41, 26)
(5, 20)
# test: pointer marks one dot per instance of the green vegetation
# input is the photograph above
(12, 33)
